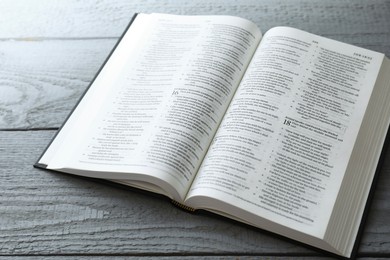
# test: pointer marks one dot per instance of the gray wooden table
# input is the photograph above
(49, 52)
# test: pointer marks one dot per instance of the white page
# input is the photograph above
(169, 85)
(285, 142)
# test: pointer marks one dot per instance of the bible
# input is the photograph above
(282, 131)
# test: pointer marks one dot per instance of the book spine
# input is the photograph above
(182, 206)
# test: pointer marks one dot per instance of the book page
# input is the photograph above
(285, 142)
(159, 100)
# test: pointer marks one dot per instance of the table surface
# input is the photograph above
(49, 52)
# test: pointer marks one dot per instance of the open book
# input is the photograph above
(282, 131)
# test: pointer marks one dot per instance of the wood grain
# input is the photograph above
(56, 214)
(91, 18)
(44, 72)
(41, 81)
(181, 257)
(49, 213)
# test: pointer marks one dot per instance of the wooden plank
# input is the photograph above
(175, 257)
(91, 18)
(225, 257)
(40, 81)
(48, 213)
(215, 257)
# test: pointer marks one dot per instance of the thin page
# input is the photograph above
(158, 103)
(285, 142)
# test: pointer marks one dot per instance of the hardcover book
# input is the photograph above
(281, 131)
